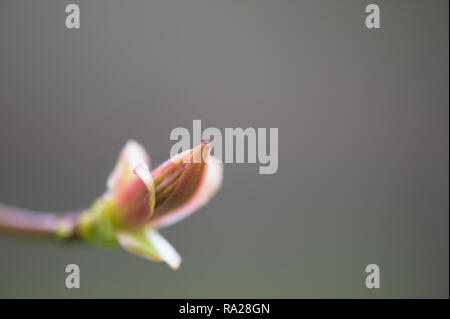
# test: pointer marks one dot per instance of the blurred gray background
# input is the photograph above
(363, 118)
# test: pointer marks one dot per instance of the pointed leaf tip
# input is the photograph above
(183, 186)
(131, 190)
(149, 245)
(131, 155)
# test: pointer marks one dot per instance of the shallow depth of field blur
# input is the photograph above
(363, 142)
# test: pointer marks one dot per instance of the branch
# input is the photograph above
(38, 223)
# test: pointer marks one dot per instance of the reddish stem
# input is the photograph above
(37, 223)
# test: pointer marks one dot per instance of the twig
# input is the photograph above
(38, 223)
